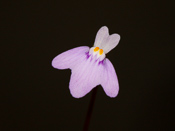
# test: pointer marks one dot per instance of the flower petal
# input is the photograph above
(85, 77)
(110, 43)
(70, 58)
(101, 36)
(109, 81)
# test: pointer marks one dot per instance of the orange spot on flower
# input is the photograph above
(101, 51)
(96, 49)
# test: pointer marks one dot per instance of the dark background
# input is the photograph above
(35, 96)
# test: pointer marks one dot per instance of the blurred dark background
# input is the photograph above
(35, 96)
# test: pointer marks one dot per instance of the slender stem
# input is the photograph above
(90, 109)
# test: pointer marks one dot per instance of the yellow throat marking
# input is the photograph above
(98, 49)
(101, 51)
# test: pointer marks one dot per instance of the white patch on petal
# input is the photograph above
(105, 41)
(110, 43)
(101, 36)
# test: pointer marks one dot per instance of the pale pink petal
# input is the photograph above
(110, 43)
(70, 58)
(90, 73)
(101, 36)
(109, 81)
(85, 77)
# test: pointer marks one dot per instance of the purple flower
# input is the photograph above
(90, 67)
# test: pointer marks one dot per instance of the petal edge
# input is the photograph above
(70, 58)
(110, 80)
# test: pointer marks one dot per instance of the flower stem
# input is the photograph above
(90, 109)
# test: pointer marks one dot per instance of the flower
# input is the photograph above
(90, 67)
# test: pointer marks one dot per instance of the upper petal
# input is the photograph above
(101, 36)
(110, 43)
(70, 58)
(109, 80)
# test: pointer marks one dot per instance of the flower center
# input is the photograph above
(97, 53)
(98, 49)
